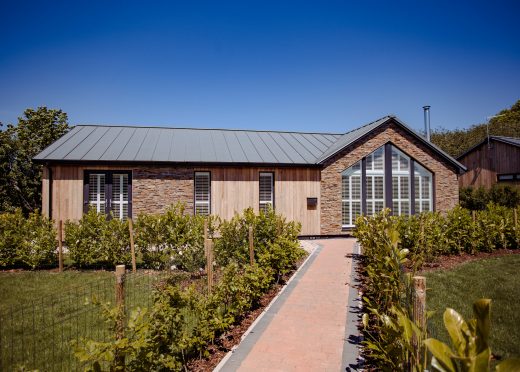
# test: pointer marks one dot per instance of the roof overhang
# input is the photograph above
(392, 119)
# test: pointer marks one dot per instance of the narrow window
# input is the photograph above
(96, 196)
(266, 187)
(375, 178)
(400, 183)
(423, 189)
(351, 195)
(108, 192)
(120, 195)
(202, 193)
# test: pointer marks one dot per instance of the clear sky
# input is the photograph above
(308, 66)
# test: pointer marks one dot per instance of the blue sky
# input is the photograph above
(306, 66)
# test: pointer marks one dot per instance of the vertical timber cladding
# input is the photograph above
(445, 180)
(232, 190)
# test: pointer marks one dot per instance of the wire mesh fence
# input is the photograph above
(38, 334)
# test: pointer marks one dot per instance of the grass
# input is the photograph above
(495, 278)
(42, 311)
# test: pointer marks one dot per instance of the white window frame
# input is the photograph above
(400, 174)
(372, 173)
(202, 202)
(348, 174)
(98, 203)
(421, 173)
(263, 204)
(121, 202)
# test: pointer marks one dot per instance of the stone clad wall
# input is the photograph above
(445, 177)
(155, 189)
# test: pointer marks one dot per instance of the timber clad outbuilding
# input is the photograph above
(494, 160)
(322, 180)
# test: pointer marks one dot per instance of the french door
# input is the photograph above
(108, 192)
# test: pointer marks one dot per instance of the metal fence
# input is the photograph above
(38, 334)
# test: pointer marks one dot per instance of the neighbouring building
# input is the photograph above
(495, 159)
(323, 180)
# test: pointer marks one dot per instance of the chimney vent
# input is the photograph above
(427, 122)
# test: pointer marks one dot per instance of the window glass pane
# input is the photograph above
(378, 206)
(378, 159)
(266, 190)
(345, 190)
(403, 163)
(405, 191)
(345, 213)
(369, 187)
(395, 160)
(96, 196)
(202, 193)
(379, 191)
(425, 192)
(351, 194)
(395, 187)
(356, 187)
(369, 162)
(395, 207)
(356, 211)
(120, 195)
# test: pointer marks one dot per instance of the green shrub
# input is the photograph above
(275, 241)
(27, 242)
(478, 198)
(98, 240)
(386, 294)
(174, 238)
(180, 325)
(12, 226)
(39, 246)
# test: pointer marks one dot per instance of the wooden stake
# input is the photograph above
(474, 215)
(120, 303)
(419, 311)
(210, 265)
(251, 247)
(60, 246)
(132, 247)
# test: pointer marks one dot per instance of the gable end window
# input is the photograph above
(266, 190)
(108, 192)
(386, 177)
(202, 193)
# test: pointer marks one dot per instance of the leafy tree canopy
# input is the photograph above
(20, 178)
(456, 142)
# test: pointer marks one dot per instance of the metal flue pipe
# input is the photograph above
(427, 122)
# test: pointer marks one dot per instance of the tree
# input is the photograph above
(20, 177)
(456, 142)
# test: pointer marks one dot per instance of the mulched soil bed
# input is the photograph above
(449, 262)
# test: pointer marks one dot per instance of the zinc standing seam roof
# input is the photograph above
(185, 145)
(181, 145)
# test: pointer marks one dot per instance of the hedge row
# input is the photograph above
(27, 242)
(429, 235)
(174, 240)
(392, 242)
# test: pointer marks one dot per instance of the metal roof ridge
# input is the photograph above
(222, 129)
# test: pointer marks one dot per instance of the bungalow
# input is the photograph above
(323, 180)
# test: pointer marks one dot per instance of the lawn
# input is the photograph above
(42, 311)
(494, 278)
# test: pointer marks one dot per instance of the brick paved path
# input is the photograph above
(305, 328)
